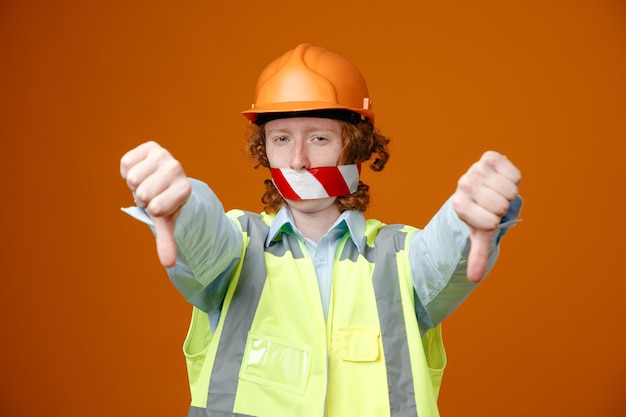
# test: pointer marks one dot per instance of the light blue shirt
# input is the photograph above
(209, 246)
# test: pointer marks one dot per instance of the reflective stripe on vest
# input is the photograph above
(239, 315)
(224, 378)
(392, 326)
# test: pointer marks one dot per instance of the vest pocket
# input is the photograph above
(359, 343)
(276, 363)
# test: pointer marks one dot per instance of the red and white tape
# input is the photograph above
(320, 182)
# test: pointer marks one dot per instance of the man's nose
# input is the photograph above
(299, 159)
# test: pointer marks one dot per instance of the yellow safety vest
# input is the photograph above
(273, 354)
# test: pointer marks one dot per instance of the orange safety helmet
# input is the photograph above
(310, 79)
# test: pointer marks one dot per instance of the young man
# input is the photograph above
(309, 309)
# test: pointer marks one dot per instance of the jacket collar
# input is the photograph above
(351, 221)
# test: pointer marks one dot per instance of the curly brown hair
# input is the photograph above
(361, 141)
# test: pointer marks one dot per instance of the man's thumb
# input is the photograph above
(166, 245)
(479, 253)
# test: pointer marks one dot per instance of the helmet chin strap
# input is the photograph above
(320, 182)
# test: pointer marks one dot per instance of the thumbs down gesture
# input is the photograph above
(160, 187)
(483, 196)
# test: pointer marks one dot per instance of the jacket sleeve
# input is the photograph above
(209, 245)
(438, 257)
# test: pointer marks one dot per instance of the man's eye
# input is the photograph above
(319, 139)
(281, 139)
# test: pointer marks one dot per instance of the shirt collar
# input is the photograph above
(352, 221)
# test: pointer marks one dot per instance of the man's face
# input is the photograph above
(303, 142)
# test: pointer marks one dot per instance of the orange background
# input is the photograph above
(90, 324)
